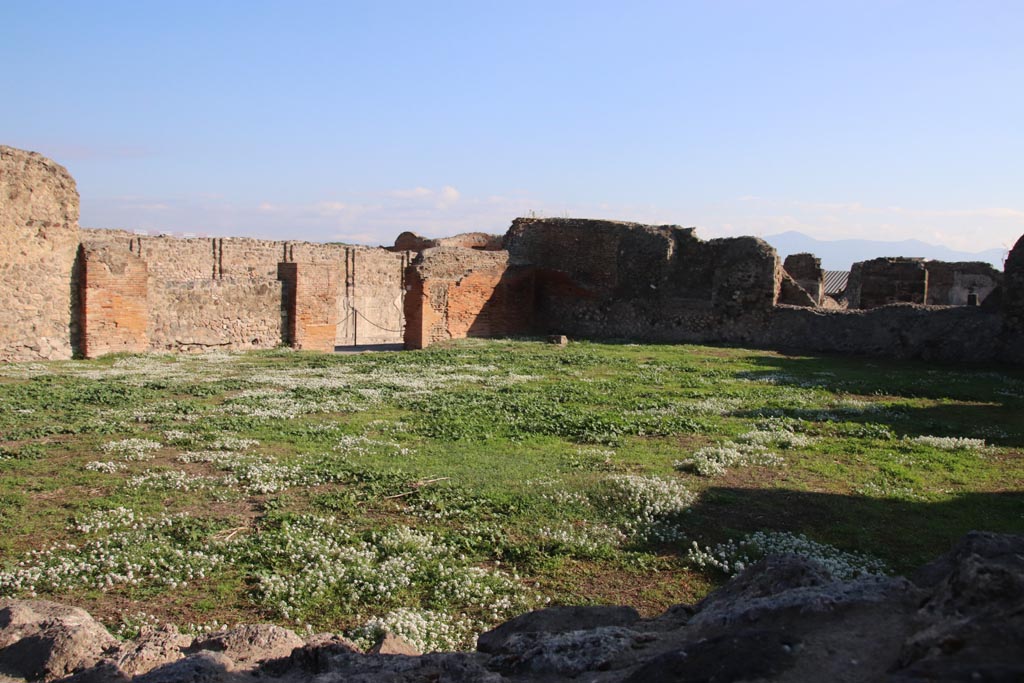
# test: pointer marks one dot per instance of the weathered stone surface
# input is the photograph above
(202, 667)
(960, 334)
(1013, 287)
(455, 293)
(316, 654)
(38, 243)
(252, 644)
(974, 616)
(410, 241)
(885, 281)
(792, 294)
(153, 648)
(556, 620)
(390, 644)
(586, 278)
(658, 283)
(310, 296)
(114, 301)
(564, 653)
(41, 640)
(805, 269)
(952, 283)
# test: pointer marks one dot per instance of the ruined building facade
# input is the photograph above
(70, 291)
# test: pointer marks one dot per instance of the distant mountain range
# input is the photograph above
(841, 254)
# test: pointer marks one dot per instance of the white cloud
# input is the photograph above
(448, 196)
(414, 193)
(377, 218)
(330, 208)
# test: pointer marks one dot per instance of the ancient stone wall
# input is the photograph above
(1013, 287)
(410, 241)
(38, 245)
(455, 293)
(952, 284)
(885, 281)
(805, 269)
(228, 313)
(370, 293)
(114, 296)
(906, 331)
(626, 280)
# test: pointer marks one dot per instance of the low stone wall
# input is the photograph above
(904, 331)
(195, 315)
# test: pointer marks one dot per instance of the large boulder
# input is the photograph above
(41, 640)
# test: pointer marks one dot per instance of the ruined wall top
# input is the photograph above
(38, 242)
(410, 241)
(1013, 287)
(455, 262)
(40, 199)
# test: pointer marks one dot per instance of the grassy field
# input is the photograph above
(438, 492)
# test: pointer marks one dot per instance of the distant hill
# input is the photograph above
(841, 254)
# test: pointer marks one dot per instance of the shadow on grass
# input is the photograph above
(905, 533)
(907, 378)
(981, 402)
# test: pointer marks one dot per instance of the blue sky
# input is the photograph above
(353, 121)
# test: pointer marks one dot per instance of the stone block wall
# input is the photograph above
(114, 296)
(885, 281)
(954, 334)
(231, 314)
(1013, 288)
(455, 293)
(310, 295)
(805, 269)
(38, 245)
(660, 283)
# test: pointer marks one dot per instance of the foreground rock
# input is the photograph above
(960, 618)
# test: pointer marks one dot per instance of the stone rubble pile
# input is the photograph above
(960, 618)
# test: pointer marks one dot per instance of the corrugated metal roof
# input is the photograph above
(835, 281)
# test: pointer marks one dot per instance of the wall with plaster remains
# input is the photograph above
(225, 293)
(952, 284)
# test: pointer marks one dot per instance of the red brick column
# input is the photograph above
(114, 291)
(311, 304)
